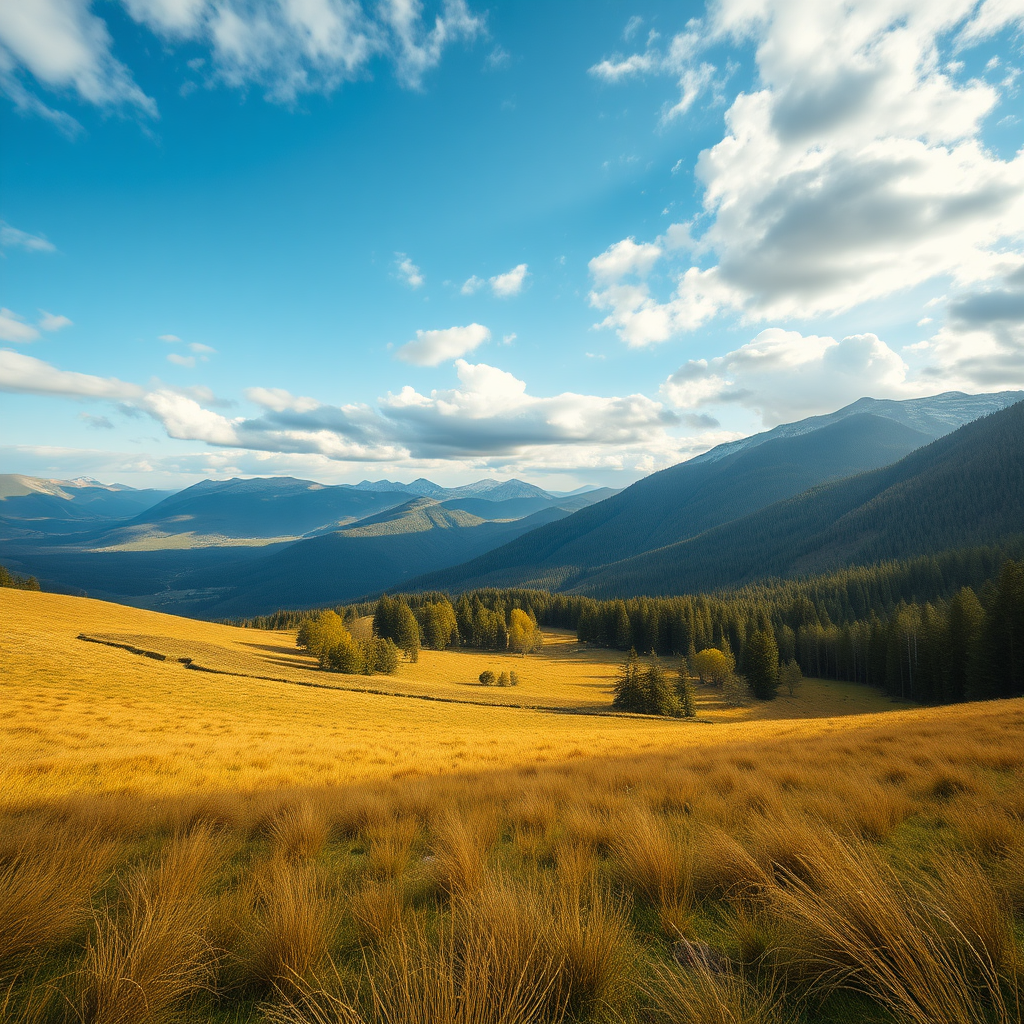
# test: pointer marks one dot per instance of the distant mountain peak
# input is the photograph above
(934, 416)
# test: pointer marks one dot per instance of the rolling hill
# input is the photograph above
(379, 553)
(30, 506)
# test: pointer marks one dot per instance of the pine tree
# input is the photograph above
(660, 696)
(629, 689)
(762, 664)
(687, 696)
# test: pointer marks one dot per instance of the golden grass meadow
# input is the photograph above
(197, 824)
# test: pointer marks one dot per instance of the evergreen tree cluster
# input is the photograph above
(15, 582)
(645, 689)
(938, 628)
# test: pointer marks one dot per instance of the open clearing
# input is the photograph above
(209, 846)
(89, 716)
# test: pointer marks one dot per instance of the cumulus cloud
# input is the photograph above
(13, 238)
(488, 420)
(180, 360)
(285, 47)
(431, 348)
(784, 376)
(492, 413)
(855, 170)
(472, 284)
(982, 344)
(407, 271)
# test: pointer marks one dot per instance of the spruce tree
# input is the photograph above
(687, 696)
(762, 664)
(629, 688)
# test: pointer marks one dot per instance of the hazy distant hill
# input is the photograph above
(730, 482)
(964, 490)
(30, 505)
(264, 507)
(514, 508)
(378, 553)
(491, 489)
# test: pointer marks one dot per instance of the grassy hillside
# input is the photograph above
(179, 844)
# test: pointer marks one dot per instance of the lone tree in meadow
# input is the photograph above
(762, 664)
(524, 636)
(713, 666)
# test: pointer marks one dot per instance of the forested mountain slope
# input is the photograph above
(966, 489)
(684, 501)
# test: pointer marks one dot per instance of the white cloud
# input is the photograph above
(678, 61)
(488, 420)
(200, 348)
(498, 59)
(503, 286)
(417, 50)
(509, 283)
(13, 238)
(632, 27)
(286, 47)
(180, 360)
(408, 271)
(169, 337)
(854, 171)
(95, 422)
(25, 374)
(430, 348)
(63, 45)
(14, 328)
(53, 322)
(491, 413)
(785, 376)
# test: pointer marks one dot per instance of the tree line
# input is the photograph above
(938, 628)
(401, 627)
(16, 582)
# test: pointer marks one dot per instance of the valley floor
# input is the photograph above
(240, 845)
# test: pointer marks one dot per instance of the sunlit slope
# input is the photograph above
(964, 490)
(83, 716)
(682, 502)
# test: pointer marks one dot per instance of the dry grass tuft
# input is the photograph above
(863, 928)
(700, 995)
(45, 888)
(151, 951)
(376, 907)
(293, 923)
(651, 861)
(300, 832)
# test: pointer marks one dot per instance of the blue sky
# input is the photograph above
(570, 242)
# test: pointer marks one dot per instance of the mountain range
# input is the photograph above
(864, 482)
